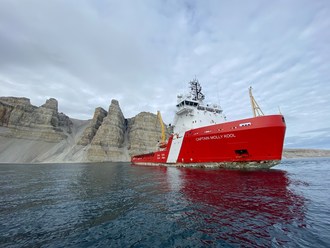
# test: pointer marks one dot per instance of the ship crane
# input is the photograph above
(255, 107)
(162, 143)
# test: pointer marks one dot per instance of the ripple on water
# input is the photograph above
(120, 205)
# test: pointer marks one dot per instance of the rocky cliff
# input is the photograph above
(144, 132)
(25, 121)
(41, 134)
(109, 141)
(114, 138)
(92, 128)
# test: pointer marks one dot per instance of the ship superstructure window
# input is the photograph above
(245, 124)
(191, 103)
(187, 103)
(209, 109)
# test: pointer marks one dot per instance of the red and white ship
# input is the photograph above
(203, 138)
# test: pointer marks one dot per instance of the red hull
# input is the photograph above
(253, 142)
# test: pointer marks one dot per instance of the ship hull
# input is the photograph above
(249, 143)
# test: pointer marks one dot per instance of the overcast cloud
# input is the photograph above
(143, 53)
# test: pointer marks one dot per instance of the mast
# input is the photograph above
(196, 90)
(255, 107)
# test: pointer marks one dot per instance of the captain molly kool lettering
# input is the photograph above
(221, 136)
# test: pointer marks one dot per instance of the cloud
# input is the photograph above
(85, 53)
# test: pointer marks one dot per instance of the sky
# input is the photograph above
(85, 53)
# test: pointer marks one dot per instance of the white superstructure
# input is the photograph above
(192, 113)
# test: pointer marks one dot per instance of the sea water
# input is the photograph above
(120, 205)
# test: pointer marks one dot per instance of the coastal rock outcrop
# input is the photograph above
(5, 111)
(111, 137)
(144, 133)
(42, 134)
(14, 101)
(27, 121)
(92, 128)
(109, 143)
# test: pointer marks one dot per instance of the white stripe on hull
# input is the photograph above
(175, 149)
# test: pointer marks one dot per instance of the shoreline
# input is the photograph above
(305, 153)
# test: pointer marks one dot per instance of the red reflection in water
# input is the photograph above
(243, 205)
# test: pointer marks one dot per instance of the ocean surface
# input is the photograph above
(120, 205)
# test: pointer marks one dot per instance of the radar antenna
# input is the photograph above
(196, 90)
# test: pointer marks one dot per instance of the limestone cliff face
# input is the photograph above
(111, 137)
(91, 130)
(144, 132)
(27, 121)
(108, 142)
(14, 101)
(41, 134)
(5, 111)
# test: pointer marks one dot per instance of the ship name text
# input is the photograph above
(214, 137)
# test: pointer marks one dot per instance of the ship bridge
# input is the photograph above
(186, 105)
(193, 113)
